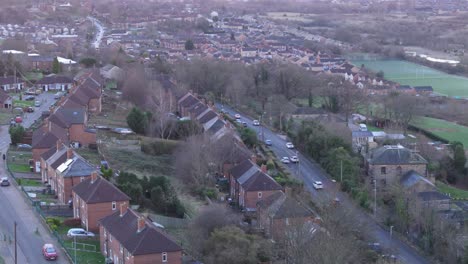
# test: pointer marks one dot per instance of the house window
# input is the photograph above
(164, 257)
(127, 254)
(259, 194)
(121, 248)
(114, 206)
(110, 238)
(81, 179)
(383, 170)
(105, 233)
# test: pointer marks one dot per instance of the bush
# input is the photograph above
(53, 223)
(72, 222)
(16, 134)
(270, 164)
(158, 147)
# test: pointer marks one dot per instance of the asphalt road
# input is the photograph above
(31, 234)
(308, 171)
(100, 33)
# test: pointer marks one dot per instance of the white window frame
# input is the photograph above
(164, 257)
(121, 248)
(114, 206)
(110, 238)
(260, 194)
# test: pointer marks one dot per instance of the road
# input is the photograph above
(308, 171)
(100, 33)
(31, 233)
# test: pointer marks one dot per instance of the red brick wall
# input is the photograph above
(95, 212)
(36, 154)
(251, 198)
(65, 186)
(78, 134)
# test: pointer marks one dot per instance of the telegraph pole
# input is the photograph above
(16, 252)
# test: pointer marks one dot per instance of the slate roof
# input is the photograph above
(57, 158)
(65, 117)
(41, 140)
(46, 155)
(4, 96)
(259, 181)
(10, 80)
(432, 196)
(150, 240)
(189, 101)
(79, 167)
(280, 206)
(412, 177)
(54, 79)
(404, 87)
(207, 117)
(219, 124)
(197, 109)
(99, 191)
(423, 88)
(394, 155)
(243, 167)
(360, 134)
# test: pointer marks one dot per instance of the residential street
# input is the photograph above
(46, 99)
(31, 234)
(309, 171)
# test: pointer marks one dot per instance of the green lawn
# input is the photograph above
(28, 182)
(20, 103)
(455, 193)
(14, 167)
(84, 256)
(408, 73)
(5, 116)
(444, 129)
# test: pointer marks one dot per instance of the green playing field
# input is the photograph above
(408, 73)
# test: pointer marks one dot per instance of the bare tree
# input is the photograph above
(135, 87)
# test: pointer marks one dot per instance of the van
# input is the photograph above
(362, 127)
(37, 103)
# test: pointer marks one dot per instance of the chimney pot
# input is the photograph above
(123, 208)
(264, 168)
(69, 153)
(141, 223)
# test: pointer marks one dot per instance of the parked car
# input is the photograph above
(18, 110)
(256, 123)
(244, 124)
(57, 95)
(285, 160)
(122, 131)
(37, 103)
(294, 159)
(237, 116)
(24, 146)
(4, 182)
(79, 232)
(375, 247)
(29, 109)
(268, 142)
(29, 98)
(49, 252)
(18, 119)
(45, 114)
(317, 185)
(289, 145)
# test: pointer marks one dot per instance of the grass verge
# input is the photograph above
(22, 168)
(455, 193)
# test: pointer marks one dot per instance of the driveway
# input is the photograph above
(308, 171)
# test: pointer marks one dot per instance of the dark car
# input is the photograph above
(4, 182)
(29, 109)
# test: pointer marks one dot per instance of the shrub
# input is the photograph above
(159, 147)
(72, 222)
(270, 164)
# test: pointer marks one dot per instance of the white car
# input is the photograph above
(256, 123)
(237, 116)
(289, 145)
(79, 232)
(285, 160)
(122, 131)
(294, 159)
(317, 185)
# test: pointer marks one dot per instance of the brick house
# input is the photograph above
(55, 82)
(43, 63)
(65, 169)
(94, 199)
(5, 100)
(280, 212)
(389, 163)
(73, 121)
(185, 103)
(414, 183)
(43, 140)
(88, 95)
(127, 237)
(11, 83)
(249, 184)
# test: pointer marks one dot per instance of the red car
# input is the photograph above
(49, 252)
(18, 119)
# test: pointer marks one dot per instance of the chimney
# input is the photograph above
(123, 208)
(141, 224)
(94, 176)
(69, 153)
(263, 168)
(59, 144)
(253, 158)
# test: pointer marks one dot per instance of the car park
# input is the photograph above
(79, 232)
(49, 252)
(268, 142)
(294, 159)
(255, 123)
(4, 182)
(317, 185)
(285, 160)
(289, 145)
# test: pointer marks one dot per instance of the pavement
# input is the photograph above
(31, 232)
(309, 171)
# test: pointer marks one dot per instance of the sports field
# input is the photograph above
(444, 129)
(408, 73)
